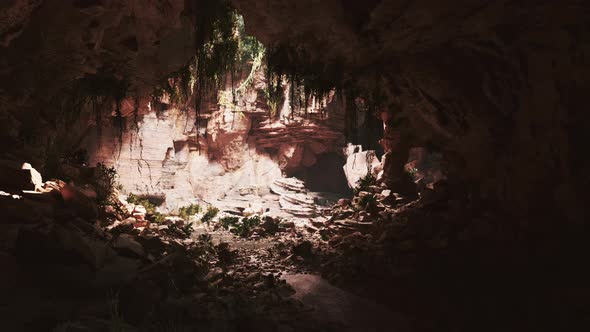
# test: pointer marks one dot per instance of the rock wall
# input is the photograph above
(497, 86)
(238, 149)
(46, 46)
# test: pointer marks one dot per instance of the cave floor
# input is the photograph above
(322, 305)
(426, 265)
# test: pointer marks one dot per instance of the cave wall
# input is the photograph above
(237, 150)
(497, 86)
(47, 45)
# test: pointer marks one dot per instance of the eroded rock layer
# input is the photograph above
(237, 148)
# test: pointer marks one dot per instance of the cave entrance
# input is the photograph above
(326, 175)
(199, 147)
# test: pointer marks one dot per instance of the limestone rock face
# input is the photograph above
(290, 155)
(236, 150)
(360, 163)
(228, 140)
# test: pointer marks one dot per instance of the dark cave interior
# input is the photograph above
(253, 165)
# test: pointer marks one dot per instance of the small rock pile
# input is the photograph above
(441, 258)
(293, 197)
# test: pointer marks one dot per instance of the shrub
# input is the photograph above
(247, 224)
(364, 183)
(241, 227)
(105, 182)
(137, 200)
(182, 231)
(150, 208)
(229, 221)
(186, 211)
(367, 200)
(158, 217)
(210, 214)
(412, 171)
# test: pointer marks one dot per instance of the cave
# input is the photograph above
(250, 165)
(326, 175)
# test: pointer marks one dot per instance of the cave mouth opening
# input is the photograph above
(326, 175)
(198, 123)
(236, 128)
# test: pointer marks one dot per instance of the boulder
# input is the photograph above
(36, 178)
(287, 224)
(290, 156)
(16, 177)
(358, 164)
(343, 202)
(57, 244)
(126, 245)
(356, 239)
(78, 202)
(93, 251)
(140, 209)
(25, 210)
(117, 271)
(270, 225)
(303, 249)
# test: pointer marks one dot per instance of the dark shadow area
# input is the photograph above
(326, 175)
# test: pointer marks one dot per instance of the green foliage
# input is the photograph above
(412, 171)
(151, 209)
(138, 200)
(307, 77)
(240, 226)
(210, 214)
(182, 231)
(187, 211)
(229, 221)
(273, 99)
(105, 183)
(206, 240)
(222, 47)
(256, 64)
(158, 217)
(246, 225)
(364, 183)
(368, 202)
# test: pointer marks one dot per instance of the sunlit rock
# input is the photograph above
(359, 163)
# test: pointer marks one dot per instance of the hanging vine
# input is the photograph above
(222, 51)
